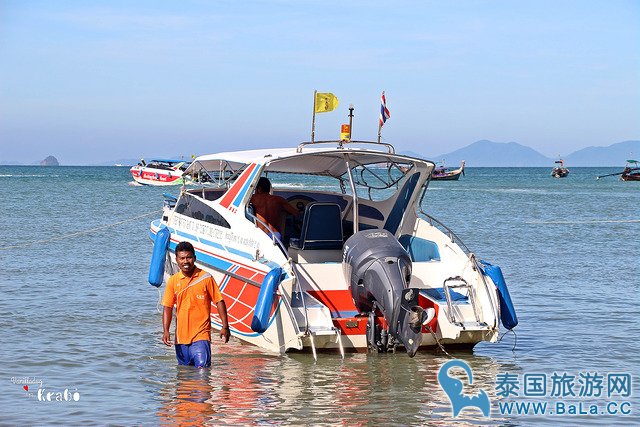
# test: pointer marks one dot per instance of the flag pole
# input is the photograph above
(313, 121)
(384, 115)
(380, 122)
(350, 120)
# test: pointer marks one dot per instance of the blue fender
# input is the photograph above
(507, 311)
(262, 310)
(158, 257)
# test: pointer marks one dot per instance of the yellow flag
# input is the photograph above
(325, 102)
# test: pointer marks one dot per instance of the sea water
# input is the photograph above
(81, 330)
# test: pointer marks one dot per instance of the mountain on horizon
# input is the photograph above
(486, 153)
(612, 155)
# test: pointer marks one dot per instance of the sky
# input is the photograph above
(96, 81)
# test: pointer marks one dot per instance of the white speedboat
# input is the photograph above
(365, 267)
(159, 172)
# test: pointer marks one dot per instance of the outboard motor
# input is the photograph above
(378, 271)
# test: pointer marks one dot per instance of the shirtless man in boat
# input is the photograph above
(270, 209)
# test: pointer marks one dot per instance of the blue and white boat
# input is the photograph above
(363, 267)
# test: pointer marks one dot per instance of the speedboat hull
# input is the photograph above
(313, 306)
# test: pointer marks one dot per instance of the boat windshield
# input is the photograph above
(373, 182)
(379, 181)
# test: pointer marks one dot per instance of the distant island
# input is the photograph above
(50, 161)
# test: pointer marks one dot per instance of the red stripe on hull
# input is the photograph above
(426, 303)
(240, 298)
(337, 301)
(340, 301)
(228, 197)
(352, 326)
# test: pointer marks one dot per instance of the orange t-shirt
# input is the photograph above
(193, 297)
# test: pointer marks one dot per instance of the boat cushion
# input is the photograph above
(438, 295)
(419, 249)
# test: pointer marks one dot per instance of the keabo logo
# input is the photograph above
(45, 395)
(454, 389)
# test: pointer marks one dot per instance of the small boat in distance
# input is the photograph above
(559, 171)
(441, 173)
(631, 171)
(159, 172)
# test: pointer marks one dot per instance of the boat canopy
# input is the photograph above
(169, 161)
(309, 160)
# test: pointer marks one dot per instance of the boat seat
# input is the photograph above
(419, 249)
(321, 228)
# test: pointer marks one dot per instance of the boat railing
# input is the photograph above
(449, 232)
(342, 144)
(297, 286)
(304, 305)
(220, 178)
(472, 258)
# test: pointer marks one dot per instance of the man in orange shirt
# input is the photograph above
(270, 208)
(192, 290)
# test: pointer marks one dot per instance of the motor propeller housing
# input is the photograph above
(378, 270)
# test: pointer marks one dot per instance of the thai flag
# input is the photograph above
(384, 111)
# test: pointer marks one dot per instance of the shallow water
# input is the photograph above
(79, 315)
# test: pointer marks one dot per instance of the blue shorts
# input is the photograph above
(198, 353)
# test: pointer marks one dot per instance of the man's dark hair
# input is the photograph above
(264, 184)
(185, 247)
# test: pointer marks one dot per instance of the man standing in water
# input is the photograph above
(192, 290)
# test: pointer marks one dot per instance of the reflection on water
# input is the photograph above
(246, 386)
(187, 400)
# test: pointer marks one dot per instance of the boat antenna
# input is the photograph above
(350, 120)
